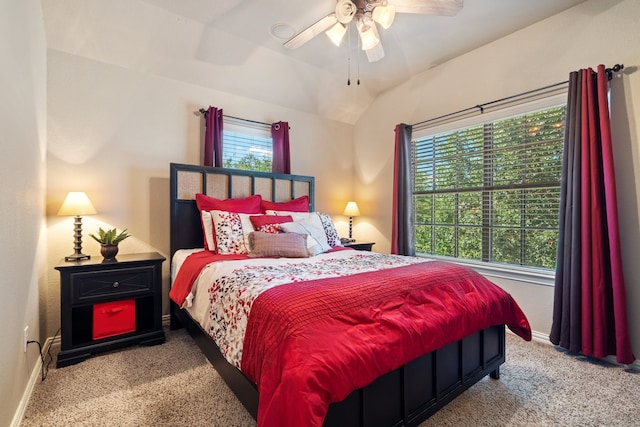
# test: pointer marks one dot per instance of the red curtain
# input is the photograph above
(402, 231)
(281, 161)
(590, 308)
(213, 137)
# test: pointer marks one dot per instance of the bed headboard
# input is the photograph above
(188, 180)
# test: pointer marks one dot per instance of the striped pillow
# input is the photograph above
(286, 245)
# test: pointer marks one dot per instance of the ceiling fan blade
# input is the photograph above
(428, 7)
(376, 53)
(304, 36)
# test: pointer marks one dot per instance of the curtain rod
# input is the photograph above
(616, 68)
(205, 112)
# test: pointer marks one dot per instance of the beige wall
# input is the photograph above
(595, 32)
(114, 124)
(113, 132)
(22, 190)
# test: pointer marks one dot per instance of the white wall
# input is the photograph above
(113, 132)
(22, 173)
(594, 32)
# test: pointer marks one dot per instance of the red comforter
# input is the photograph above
(309, 344)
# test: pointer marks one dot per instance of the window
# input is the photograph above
(490, 191)
(247, 145)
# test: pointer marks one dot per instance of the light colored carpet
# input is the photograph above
(174, 385)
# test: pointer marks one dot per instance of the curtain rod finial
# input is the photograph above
(615, 69)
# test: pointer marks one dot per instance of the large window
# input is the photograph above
(247, 145)
(490, 191)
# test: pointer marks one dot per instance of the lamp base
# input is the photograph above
(77, 257)
(77, 242)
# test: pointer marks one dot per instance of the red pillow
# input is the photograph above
(248, 205)
(300, 204)
(260, 220)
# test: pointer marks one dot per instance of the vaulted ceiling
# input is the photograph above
(192, 40)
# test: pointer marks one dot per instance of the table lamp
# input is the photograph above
(77, 203)
(351, 210)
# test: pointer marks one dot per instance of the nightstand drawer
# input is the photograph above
(89, 287)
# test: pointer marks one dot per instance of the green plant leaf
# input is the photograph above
(109, 237)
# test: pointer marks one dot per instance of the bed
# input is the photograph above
(400, 386)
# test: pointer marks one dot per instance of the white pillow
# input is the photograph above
(297, 216)
(207, 224)
(316, 239)
(232, 231)
(318, 219)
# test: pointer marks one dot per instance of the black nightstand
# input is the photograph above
(109, 305)
(359, 246)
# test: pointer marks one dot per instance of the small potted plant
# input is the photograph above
(109, 241)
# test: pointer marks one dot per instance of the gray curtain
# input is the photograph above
(402, 235)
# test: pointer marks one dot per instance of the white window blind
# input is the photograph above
(247, 145)
(489, 191)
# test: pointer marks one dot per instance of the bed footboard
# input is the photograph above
(404, 397)
(415, 391)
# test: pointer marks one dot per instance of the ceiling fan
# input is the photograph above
(365, 14)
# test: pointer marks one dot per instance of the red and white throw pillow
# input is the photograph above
(231, 231)
(269, 223)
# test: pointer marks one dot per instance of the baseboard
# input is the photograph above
(33, 378)
(540, 337)
(544, 339)
(635, 366)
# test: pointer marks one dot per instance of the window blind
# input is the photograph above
(490, 191)
(247, 145)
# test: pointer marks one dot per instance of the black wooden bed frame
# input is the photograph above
(404, 397)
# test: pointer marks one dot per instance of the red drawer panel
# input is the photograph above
(114, 318)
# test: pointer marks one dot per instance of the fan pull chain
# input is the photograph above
(358, 57)
(358, 67)
(349, 55)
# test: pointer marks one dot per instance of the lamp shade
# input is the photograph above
(75, 204)
(368, 37)
(336, 33)
(384, 15)
(351, 209)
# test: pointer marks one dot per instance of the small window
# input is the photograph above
(247, 145)
(490, 191)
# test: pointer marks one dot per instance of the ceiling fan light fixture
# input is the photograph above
(345, 10)
(368, 37)
(336, 33)
(384, 15)
(367, 15)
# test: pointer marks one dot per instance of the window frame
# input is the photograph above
(506, 271)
